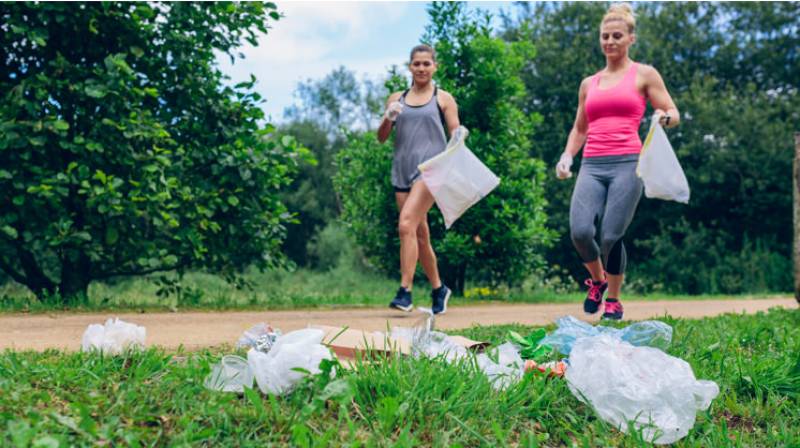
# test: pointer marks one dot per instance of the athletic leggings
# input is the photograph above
(606, 193)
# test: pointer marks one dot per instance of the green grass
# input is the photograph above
(157, 398)
(340, 287)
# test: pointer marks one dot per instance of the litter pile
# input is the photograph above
(623, 374)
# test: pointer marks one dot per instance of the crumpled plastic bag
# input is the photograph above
(647, 333)
(657, 392)
(231, 374)
(114, 337)
(456, 178)
(659, 168)
(508, 369)
(301, 349)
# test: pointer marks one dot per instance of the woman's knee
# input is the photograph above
(582, 236)
(407, 226)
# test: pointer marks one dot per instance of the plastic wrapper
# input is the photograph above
(425, 341)
(114, 337)
(657, 392)
(231, 374)
(260, 336)
(275, 372)
(508, 369)
(456, 178)
(659, 168)
(647, 333)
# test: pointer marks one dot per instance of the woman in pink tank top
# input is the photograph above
(611, 104)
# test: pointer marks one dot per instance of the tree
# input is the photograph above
(122, 151)
(328, 109)
(499, 239)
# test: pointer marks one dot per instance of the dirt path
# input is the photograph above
(205, 329)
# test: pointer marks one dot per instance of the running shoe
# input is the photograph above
(402, 301)
(595, 295)
(440, 297)
(613, 310)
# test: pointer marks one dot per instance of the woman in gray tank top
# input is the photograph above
(419, 116)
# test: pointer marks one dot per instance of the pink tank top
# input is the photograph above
(613, 116)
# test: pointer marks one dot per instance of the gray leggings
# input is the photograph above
(606, 193)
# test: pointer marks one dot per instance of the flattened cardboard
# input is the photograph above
(351, 342)
(469, 344)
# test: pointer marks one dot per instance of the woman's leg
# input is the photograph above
(586, 206)
(427, 257)
(624, 193)
(414, 212)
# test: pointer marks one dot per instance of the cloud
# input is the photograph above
(309, 41)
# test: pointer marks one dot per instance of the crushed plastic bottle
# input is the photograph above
(648, 333)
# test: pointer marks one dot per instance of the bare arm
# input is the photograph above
(385, 129)
(577, 136)
(659, 97)
(450, 109)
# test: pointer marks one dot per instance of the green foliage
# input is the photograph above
(122, 153)
(328, 110)
(729, 74)
(157, 398)
(505, 230)
(363, 183)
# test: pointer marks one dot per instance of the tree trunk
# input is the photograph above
(796, 189)
(75, 278)
(453, 277)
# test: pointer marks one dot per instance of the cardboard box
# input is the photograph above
(351, 342)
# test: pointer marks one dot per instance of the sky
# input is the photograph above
(314, 38)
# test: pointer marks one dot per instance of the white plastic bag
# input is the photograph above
(659, 167)
(456, 178)
(231, 374)
(114, 337)
(508, 369)
(657, 392)
(298, 349)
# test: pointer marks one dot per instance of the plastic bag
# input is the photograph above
(650, 332)
(114, 337)
(298, 349)
(657, 392)
(508, 369)
(659, 167)
(456, 178)
(231, 374)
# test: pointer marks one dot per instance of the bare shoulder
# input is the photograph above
(446, 97)
(585, 85)
(648, 72)
(394, 97)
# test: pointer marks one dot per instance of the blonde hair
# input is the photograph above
(623, 12)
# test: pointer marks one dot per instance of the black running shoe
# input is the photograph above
(439, 297)
(402, 301)
(613, 310)
(595, 295)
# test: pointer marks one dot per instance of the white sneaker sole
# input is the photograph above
(446, 299)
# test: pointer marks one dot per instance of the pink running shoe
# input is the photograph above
(595, 295)
(613, 310)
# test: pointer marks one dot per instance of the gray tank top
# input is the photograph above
(419, 136)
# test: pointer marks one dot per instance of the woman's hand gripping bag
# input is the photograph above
(456, 178)
(659, 168)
